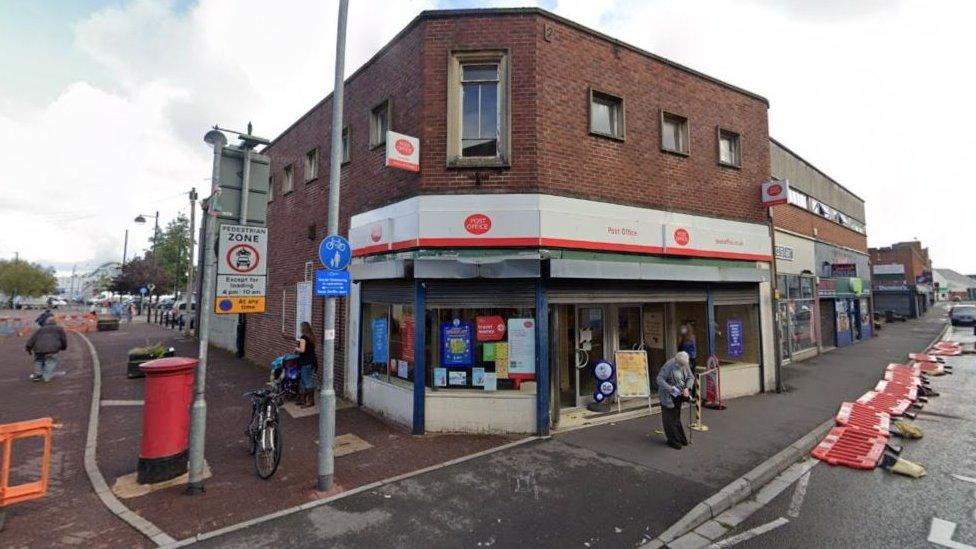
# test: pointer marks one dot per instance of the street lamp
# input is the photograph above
(141, 219)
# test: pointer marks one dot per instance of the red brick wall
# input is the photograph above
(914, 260)
(552, 149)
(798, 220)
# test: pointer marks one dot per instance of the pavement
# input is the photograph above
(835, 505)
(614, 485)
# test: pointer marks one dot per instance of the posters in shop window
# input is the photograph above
(381, 340)
(490, 328)
(733, 337)
(490, 382)
(521, 346)
(440, 377)
(457, 378)
(633, 379)
(456, 343)
(303, 306)
(501, 360)
(654, 329)
(488, 352)
(477, 377)
(407, 339)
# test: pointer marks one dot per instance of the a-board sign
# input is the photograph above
(242, 267)
(632, 377)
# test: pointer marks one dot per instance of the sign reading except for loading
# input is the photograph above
(241, 269)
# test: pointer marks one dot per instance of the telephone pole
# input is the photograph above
(188, 297)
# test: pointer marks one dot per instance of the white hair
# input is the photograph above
(682, 358)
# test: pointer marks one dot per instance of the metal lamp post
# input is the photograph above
(141, 219)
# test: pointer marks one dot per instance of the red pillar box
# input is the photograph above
(165, 419)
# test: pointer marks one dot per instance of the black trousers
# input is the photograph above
(671, 417)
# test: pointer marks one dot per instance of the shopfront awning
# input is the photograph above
(621, 270)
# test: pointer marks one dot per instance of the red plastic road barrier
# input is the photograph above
(864, 417)
(945, 351)
(931, 368)
(903, 377)
(915, 369)
(920, 357)
(948, 345)
(884, 402)
(851, 447)
(898, 389)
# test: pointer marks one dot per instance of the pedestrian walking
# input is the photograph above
(689, 343)
(45, 344)
(41, 319)
(129, 312)
(674, 383)
(308, 363)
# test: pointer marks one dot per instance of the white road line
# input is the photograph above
(965, 479)
(749, 534)
(798, 495)
(122, 403)
(940, 533)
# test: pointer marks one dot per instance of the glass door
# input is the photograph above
(590, 349)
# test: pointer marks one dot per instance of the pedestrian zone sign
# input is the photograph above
(335, 253)
(242, 268)
(332, 283)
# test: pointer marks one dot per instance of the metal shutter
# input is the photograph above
(621, 291)
(735, 295)
(387, 291)
(516, 293)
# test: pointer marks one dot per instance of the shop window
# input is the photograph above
(606, 115)
(289, 180)
(379, 124)
(311, 165)
(345, 145)
(797, 198)
(674, 133)
(388, 342)
(489, 349)
(737, 333)
(478, 109)
(802, 336)
(693, 317)
(728, 148)
(793, 286)
(806, 287)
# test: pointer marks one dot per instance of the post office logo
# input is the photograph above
(681, 237)
(774, 190)
(376, 234)
(477, 223)
(403, 147)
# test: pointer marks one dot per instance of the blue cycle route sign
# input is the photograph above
(335, 253)
(143, 291)
(331, 283)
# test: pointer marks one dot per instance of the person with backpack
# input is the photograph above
(41, 319)
(45, 344)
(308, 363)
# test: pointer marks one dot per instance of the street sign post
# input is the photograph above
(332, 283)
(242, 268)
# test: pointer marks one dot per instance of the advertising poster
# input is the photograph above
(733, 335)
(521, 346)
(654, 329)
(456, 343)
(632, 376)
(381, 340)
(488, 352)
(303, 306)
(440, 377)
(501, 360)
(407, 335)
(457, 378)
(477, 377)
(402, 369)
(490, 328)
(490, 382)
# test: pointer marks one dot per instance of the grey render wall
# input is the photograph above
(804, 177)
(223, 331)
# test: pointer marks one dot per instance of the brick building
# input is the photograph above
(902, 278)
(821, 260)
(577, 197)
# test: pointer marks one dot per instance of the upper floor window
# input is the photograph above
(728, 148)
(674, 133)
(606, 114)
(289, 183)
(798, 199)
(379, 124)
(311, 164)
(478, 109)
(345, 145)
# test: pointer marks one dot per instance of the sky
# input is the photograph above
(103, 103)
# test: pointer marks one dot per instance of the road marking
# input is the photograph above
(122, 403)
(749, 534)
(798, 495)
(965, 479)
(941, 531)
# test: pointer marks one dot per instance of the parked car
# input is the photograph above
(963, 315)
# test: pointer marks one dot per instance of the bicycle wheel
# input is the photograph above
(268, 454)
(251, 433)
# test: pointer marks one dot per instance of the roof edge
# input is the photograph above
(814, 168)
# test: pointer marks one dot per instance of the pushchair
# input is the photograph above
(286, 372)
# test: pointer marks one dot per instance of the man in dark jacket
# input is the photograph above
(45, 344)
(41, 319)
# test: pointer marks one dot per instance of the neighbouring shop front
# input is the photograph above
(475, 334)
(845, 307)
(795, 265)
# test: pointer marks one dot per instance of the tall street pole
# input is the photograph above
(198, 410)
(327, 398)
(188, 296)
(125, 247)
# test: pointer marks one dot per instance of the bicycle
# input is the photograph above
(263, 431)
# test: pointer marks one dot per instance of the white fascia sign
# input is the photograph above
(402, 151)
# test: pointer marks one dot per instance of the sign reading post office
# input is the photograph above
(242, 269)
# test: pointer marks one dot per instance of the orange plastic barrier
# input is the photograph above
(20, 430)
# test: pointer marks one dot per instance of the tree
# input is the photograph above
(20, 278)
(171, 252)
(137, 274)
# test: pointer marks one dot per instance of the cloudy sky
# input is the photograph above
(103, 102)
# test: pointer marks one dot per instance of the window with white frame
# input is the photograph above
(478, 109)
(379, 123)
(606, 114)
(797, 198)
(345, 145)
(289, 180)
(674, 133)
(728, 148)
(311, 164)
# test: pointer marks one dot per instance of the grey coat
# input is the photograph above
(47, 339)
(673, 375)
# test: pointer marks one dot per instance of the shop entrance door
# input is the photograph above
(590, 348)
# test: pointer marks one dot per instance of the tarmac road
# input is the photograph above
(844, 507)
